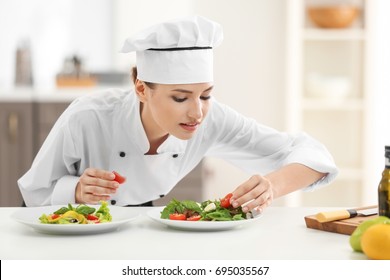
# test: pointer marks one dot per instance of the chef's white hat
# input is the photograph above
(176, 52)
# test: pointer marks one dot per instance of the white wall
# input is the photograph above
(378, 72)
(131, 16)
(55, 29)
(249, 64)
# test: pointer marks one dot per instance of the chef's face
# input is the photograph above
(174, 109)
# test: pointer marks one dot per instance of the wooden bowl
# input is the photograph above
(75, 82)
(333, 16)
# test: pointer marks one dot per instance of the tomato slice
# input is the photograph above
(177, 216)
(119, 178)
(225, 202)
(92, 217)
(194, 218)
(54, 216)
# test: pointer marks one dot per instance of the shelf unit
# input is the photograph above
(320, 63)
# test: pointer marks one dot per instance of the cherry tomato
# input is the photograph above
(54, 216)
(177, 216)
(225, 202)
(92, 217)
(194, 218)
(119, 178)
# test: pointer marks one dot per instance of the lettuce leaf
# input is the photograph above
(218, 214)
(80, 214)
(103, 213)
(84, 209)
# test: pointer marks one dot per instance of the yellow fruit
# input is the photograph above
(356, 236)
(376, 242)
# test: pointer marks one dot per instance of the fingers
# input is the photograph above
(95, 185)
(92, 198)
(254, 194)
(99, 173)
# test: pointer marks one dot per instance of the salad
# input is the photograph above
(81, 214)
(209, 210)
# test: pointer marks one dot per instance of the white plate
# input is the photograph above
(198, 225)
(30, 216)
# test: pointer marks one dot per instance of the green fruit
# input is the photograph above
(354, 239)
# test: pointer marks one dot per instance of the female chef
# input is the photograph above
(159, 131)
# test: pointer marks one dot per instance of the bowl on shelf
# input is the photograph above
(341, 16)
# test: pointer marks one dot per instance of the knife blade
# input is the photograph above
(323, 217)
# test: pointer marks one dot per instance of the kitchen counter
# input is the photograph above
(280, 234)
(25, 94)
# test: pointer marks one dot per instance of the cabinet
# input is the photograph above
(46, 114)
(16, 148)
(329, 95)
(24, 126)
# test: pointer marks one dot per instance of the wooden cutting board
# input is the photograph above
(346, 226)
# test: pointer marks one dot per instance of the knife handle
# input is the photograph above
(323, 217)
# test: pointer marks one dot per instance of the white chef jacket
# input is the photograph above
(105, 131)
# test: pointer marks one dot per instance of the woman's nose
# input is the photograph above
(195, 111)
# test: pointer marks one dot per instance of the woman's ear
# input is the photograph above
(140, 89)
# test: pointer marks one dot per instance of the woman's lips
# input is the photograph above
(189, 126)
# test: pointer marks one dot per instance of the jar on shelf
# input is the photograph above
(23, 66)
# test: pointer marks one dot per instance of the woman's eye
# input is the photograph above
(179, 99)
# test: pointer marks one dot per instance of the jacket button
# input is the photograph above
(113, 202)
(122, 154)
(175, 155)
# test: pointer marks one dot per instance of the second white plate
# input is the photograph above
(198, 225)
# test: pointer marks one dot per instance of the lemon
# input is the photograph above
(376, 242)
(355, 238)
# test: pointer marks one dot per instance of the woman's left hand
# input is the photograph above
(254, 194)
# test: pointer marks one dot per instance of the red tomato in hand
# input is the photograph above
(194, 218)
(119, 178)
(225, 202)
(177, 216)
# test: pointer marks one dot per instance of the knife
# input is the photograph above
(323, 217)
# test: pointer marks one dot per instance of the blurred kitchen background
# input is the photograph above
(322, 66)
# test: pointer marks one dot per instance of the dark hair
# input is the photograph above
(134, 75)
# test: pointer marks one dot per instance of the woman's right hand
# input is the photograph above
(95, 185)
